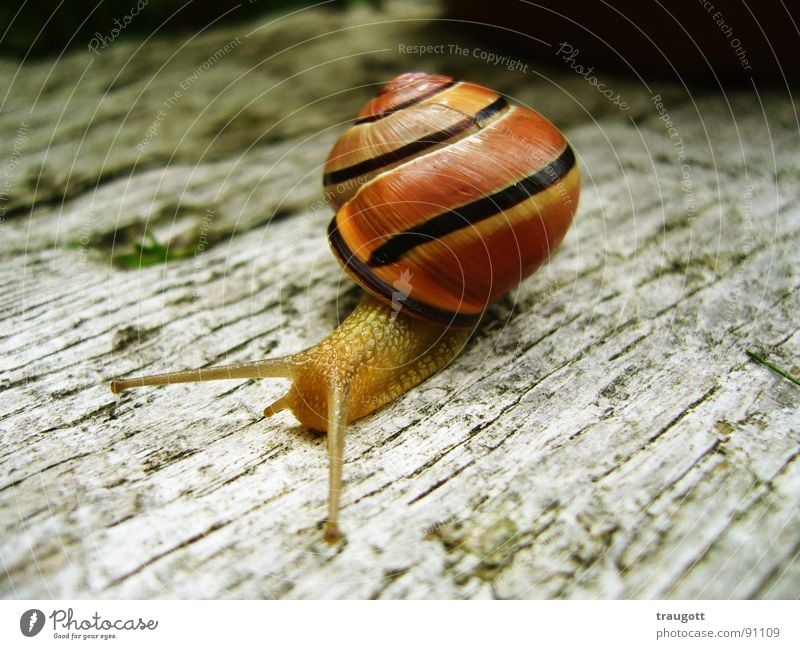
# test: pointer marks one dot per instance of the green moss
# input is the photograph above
(150, 252)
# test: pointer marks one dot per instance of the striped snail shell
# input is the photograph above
(446, 198)
(445, 183)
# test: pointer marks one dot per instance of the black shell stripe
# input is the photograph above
(416, 147)
(406, 104)
(471, 213)
(370, 281)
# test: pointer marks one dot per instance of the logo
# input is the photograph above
(402, 290)
(31, 622)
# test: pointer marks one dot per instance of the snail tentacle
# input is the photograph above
(266, 368)
(337, 423)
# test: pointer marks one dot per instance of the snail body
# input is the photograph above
(446, 198)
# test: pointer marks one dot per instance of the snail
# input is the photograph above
(446, 197)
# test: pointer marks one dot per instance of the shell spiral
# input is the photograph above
(447, 196)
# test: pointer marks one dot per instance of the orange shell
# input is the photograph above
(447, 196)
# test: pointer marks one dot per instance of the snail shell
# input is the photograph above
(444, 187)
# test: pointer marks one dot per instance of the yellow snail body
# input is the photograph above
(446, 198)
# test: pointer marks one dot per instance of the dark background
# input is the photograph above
(628, 37)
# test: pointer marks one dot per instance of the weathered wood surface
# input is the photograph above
(604, 434)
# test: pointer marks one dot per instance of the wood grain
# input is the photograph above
(605, 434)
